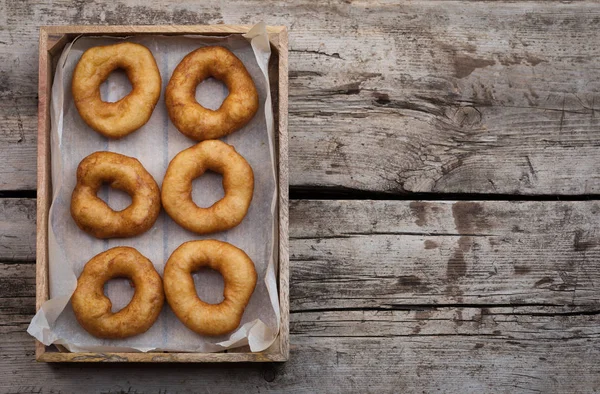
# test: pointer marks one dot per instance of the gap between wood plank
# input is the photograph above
(343, 193)
(439, 307)
(421, 307)
(18, 194)
(432, 307)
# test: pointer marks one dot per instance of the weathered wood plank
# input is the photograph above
(510, 323)
(18, 127)
(469, 349)
(381, 254)
(413, 97)
(17, 229)
(337, 364)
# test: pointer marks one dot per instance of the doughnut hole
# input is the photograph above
(116, 199)
(209, 294)
(115, 87)
(120, 292)
(207, 189)
(210, 93)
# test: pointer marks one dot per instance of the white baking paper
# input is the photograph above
(154, 145)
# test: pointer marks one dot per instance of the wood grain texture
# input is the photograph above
(283, 204)
(411, 97)
(17, 229)
(273, 31)
(17, 140)
(381, 254)
(44, 178)
(448, 349)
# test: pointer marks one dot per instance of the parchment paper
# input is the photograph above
(155, 144)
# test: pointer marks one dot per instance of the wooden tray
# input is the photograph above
(52, 41)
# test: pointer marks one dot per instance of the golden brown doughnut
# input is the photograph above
(94, 216)
(116, 120)
(93, 309)
(201, 123)
(238, 274)
(238, 183)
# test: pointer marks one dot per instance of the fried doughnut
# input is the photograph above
(94, 216)
(116, 120)
(238, 183)
(201, 123)
(238, 274)
(93, 309)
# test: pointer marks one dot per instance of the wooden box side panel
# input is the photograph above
(283, 196)
(158, 357)
(52, 36)
(156, 29)
(43, 177)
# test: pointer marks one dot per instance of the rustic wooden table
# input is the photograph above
(445, 185)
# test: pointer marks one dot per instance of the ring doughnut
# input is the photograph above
(116, 120)
(238, 274)
(201, 123)
(94, 216)
(93, 309)
(238, 183)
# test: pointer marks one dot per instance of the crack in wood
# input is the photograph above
(334, 55)
(313, 335)
(426, 307)
(418, 234)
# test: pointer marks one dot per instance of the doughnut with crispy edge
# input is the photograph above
(238, 183)
(116, 120)
(93, 309)
(239, 277)
(94, 216)
(201, 123)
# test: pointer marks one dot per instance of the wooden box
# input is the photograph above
(52, 41)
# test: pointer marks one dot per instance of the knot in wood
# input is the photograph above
(467, 117)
